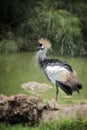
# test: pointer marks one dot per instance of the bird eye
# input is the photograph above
(41, 46)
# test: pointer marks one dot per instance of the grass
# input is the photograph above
(18, 68)
(63, 124)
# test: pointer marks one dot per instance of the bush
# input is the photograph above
(60, 26)
(25, 44)
(63, 29)
(55, 20)
(8, 46)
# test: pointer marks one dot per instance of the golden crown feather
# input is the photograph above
(46, 43)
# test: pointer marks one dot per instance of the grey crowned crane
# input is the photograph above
(58, 72)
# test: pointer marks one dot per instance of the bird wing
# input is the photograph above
(67, 80)
(56, 62)
(57, 73)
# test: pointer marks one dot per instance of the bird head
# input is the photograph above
(44, 44)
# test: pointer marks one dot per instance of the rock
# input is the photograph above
(35, 87)
(52, 104)
(40, 106)
(3, 106)
(20, 109)
(30, 109)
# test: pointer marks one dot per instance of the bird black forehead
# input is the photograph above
(40, 44)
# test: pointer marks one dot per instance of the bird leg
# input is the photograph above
(57, 90)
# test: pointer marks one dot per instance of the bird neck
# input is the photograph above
(41, 55)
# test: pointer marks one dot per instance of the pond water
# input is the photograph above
(19, 68)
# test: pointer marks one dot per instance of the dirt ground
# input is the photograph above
(78, 111)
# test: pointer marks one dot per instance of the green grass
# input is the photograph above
(18, 68)
(63, 124)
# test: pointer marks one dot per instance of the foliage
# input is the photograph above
(63, 22)
(64, 124)
(63, 29)
(8, 46)
(24, 44)
(60, 26)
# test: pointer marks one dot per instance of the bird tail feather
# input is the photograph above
(68, 89)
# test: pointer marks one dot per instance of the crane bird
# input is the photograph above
(58, 72)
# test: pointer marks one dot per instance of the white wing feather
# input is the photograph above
(57, 73)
